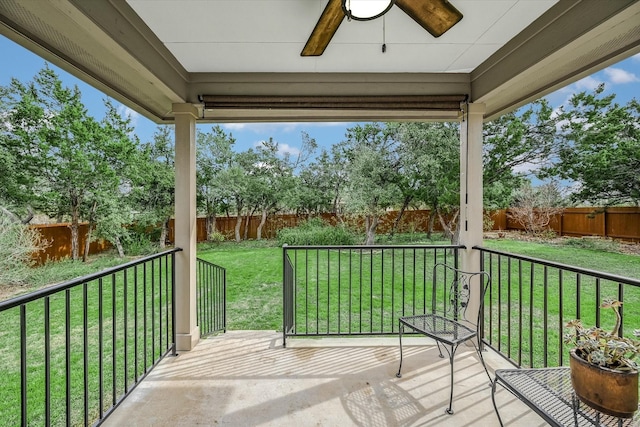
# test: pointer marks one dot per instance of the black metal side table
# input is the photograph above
(549, 393)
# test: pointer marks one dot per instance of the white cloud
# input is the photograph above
(620, 76)
(283, 148)
(636, 57)
(288, 149)
(235, 126)
(588, 83)
(125, 111)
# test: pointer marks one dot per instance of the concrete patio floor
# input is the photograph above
(246, 378)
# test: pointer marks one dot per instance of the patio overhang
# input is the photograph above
(144, 57)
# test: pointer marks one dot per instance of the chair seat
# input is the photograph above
(440, 328)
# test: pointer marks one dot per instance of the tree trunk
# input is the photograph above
(263, 220)
(163, 233)
(90, 228)
(238, 224)
(211, 225)
(449, 232)
(431, 223)
(371, 223)
(396, 222)
(75, 220)
(118, 243)
(246, 224)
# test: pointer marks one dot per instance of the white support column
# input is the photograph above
(471, 193)
(187, 332)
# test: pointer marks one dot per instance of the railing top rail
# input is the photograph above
(375, 247)
(596, 274)
(32, 296)
(209, 263)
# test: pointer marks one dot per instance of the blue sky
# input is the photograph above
(623, 79)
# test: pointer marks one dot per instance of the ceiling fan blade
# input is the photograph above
(435, 16)
(325, 28)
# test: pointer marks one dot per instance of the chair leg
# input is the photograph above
(483, 364)
(493, 399)
(440, 350)
(400, 329)
(449, 410)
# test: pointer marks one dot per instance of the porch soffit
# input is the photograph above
(105, 43)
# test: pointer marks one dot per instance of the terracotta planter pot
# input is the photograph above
(608, 391)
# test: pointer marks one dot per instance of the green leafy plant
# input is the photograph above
(216, 237)
(316, 232)
(605, 348)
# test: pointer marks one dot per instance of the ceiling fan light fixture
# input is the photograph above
(365, 10)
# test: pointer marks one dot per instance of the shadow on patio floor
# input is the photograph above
(246, 378)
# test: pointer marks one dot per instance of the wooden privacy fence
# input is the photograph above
(621, 223)
(618, 223)
(58, 238)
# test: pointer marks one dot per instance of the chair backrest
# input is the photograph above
(452, 291)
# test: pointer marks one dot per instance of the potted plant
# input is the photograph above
(604, 373)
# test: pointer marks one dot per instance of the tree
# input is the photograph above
(599, 148)
(212, 158)
(535, 207)
(109, 210)
(429, 169)
(515, 145)
(372, 171)
(153, 185)
(61, 144)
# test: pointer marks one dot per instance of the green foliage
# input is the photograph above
(18, 243)
(316, 232)
(599, 150)
(61, 161)
(216, 237)
(138, 244)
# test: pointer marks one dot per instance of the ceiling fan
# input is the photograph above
(435, 16)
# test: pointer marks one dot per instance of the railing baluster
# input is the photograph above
(545, 319)
(113, 341)
(381, 290)
(597, 302)
(560, 319)
(67, 371)
(101, 347)
(85, 350)
(125, 330)
(520, 311)
(47, 361)
(531, 304)
(508, 307)
(23, 365)
(135, 322)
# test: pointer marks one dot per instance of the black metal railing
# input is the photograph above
(72, 352)
(531, 300)
(211, 297)
(357, 290)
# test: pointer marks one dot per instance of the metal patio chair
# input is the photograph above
(447, 322)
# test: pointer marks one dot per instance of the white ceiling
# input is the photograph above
(268, 36)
